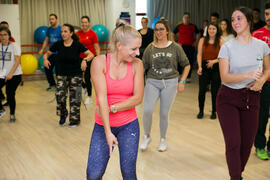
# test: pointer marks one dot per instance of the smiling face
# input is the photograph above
(65, 33)
(130, 49)
(212, 31)
(85, 23)
(239, 22)
(161, 32)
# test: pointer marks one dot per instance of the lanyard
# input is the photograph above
(4, 55)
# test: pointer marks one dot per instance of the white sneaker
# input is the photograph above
(162, 146)
(145, 141)
(88, 100)
(2, 112)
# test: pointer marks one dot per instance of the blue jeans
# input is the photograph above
(128, 139)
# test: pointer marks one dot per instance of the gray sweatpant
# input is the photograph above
(155, 89)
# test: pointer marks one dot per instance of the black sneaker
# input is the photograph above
(51, 88)
(213, 116)
(62, 120)
(74, 123)
(200, 115)
(12, 119)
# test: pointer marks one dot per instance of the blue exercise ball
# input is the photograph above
(40, 34)
(101, 31)
(155, 21)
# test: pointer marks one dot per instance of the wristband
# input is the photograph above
(85, 59)
(183, 82)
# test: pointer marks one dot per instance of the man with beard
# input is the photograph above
(53, 35)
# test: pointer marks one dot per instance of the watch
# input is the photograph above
(113, 109)
(183, 82)
(85, 59)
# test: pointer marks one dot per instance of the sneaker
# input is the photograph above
(74, 124)
(200, 115)
(145, 141)
(2, 112)
(12, 119)
(88, 100)
(62, 120)
(162, 146)
(262, 154)
(213, 116)
(50, 88)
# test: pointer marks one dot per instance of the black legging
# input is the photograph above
(87, 79)
(209, 76)
(11, 86)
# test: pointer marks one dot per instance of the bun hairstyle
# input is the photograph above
(123, 33)
(165, 22)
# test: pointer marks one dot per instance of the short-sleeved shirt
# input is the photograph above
(243, 58)
(161, 63)
(264, 35)
(88, 39)
(9, 53)
(54, 35)
(186, 33)
(68, 58)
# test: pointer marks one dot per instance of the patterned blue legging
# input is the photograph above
(128, 139)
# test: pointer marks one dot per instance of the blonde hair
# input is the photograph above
(168, 29)
(119, 22)
(123, 33)
(145, 18)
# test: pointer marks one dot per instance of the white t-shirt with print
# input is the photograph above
(9, 59)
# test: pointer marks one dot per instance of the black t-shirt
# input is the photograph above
(258, 25)
(68, 58)
(146, 40)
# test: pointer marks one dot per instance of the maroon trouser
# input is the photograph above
(238, 115)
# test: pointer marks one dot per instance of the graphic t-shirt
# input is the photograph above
(161, 63)
(7, 59)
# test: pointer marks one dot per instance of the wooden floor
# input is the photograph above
(37, 148)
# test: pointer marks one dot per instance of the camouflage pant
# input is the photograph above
(73, 85)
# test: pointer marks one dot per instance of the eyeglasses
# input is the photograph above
(160, 29)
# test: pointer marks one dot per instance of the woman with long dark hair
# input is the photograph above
(10, 70)
(241, 61)
(208, 70)
(69, 77)
(226, 30)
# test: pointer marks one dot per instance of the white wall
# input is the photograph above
(10, 13)
(113, 9)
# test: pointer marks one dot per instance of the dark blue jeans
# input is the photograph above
(128, 139)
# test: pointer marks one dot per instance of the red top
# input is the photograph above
(186, 34)
(263, 34)
(118, 91)
(209, 52)
(88, 39)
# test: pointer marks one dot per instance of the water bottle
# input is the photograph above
(125, 16)
(260, 63)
